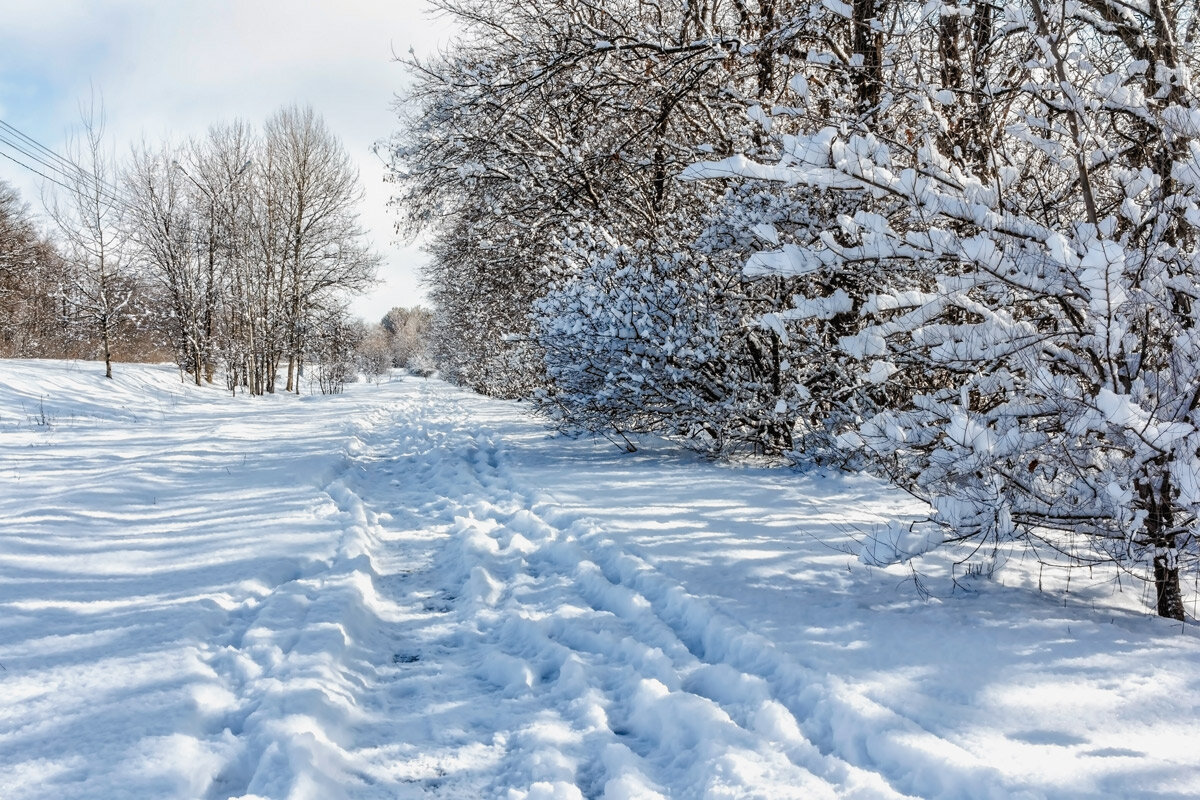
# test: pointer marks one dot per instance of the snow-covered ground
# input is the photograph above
(410, 591)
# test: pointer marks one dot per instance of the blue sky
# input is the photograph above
(170, 68)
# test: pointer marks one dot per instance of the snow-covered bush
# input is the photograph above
(373, 355)
(333, 351)
(545, 118)
(1042, 273)
(635, 344)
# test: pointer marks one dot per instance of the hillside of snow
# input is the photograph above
(411, 591)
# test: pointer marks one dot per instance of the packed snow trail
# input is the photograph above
(410, 591)
(593, 693)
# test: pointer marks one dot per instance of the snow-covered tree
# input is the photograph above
(1036, 269)
(407, 335)
(548, 118)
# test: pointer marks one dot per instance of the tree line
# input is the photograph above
(952, 243)
(234, 252)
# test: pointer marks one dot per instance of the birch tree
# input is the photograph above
(254, 238)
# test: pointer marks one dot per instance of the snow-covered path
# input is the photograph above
(575, 662)
(409, 591)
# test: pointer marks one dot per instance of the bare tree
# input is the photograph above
(374, 353)
(334, 349)
(220, 168)
(33, 277)
(88, 216)
(316, 188)
(254, 239)
(167, 240)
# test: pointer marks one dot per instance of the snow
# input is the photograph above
(410, 591)
(839, 7)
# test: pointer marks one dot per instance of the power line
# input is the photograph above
(52, 165)
(35, 171)
(59, 175)
(58, 165)
(38, 145)
(57, 158)
(82, 175)
(192, 240)
(55, 163)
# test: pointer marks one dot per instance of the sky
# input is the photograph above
(170, 68)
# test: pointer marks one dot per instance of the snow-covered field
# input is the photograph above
(409, 591)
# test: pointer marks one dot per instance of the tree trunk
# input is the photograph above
(1160, 535)
(210, 328)
(104, 344)
(196, 364)
(867, 43)
(1166, 585)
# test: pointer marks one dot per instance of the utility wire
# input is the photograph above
(57, 176)
(29, 148)
(38, 145)
(72, 171)
(35, 171)
(192, 239)
(54, 163)
(71, 183)
(71, 166)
